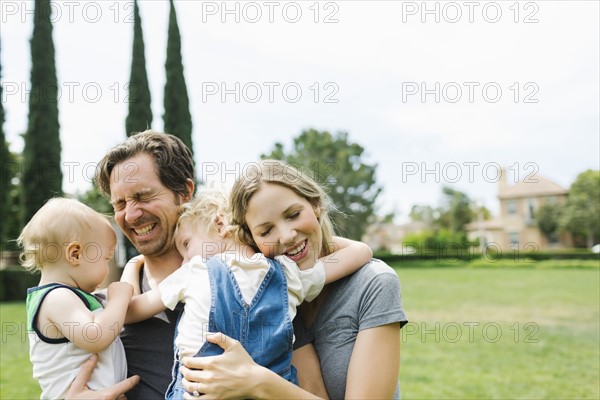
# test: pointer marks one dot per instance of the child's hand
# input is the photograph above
(120, 289)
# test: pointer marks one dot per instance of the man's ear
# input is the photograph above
(189, 185)
(73, 253)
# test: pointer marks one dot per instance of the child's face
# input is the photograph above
(282, 222)
(96, 252)
(192, 241)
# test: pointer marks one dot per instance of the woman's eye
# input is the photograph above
(185, 244)
(264, 233)
(294, 215)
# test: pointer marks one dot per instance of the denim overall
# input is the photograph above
(262, 327)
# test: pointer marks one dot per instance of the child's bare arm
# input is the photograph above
(348, 258)
(144, 306)
(90, 331)
(131, 273)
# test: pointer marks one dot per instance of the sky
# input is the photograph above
(438, 93)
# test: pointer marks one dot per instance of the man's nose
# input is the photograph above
(132, 212)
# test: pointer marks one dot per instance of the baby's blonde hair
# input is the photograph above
(210, 204)
(59, 222)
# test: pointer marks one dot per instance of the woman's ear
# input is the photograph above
(317, 210)
(73, 253)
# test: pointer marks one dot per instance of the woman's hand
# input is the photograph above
(80, 391)
(230, 375)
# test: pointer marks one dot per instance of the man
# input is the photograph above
(147, 178)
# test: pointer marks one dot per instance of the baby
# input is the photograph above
(71, 245)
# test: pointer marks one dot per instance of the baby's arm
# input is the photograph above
(168, 293)
(89, 331)
(348, 258)
(144, 306)
(131, 273)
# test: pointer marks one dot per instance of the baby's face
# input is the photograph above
(192, 241)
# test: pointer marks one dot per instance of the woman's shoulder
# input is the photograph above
(373, 275)
(374, 268)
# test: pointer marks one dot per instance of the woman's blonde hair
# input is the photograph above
(210, 205)
(279, 173)
(59, 222)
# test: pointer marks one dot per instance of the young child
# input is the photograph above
(227, 287)
(71, 245)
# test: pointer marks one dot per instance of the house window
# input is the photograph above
(551, 200)
(513, 238)
(531, 209)
(511, 207)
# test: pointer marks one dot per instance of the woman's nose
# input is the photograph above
(287, 236)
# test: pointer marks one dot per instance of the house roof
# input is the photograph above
(531, 187)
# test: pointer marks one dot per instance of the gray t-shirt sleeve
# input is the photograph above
(368, 298)
(381, 299)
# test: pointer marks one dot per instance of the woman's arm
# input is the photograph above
(348, 258)
(375, 363)
(235, 375)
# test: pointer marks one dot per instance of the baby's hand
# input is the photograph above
(120, 289)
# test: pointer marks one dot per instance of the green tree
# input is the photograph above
(548, 218)
(139, 117)
(12, 194)
(456, 210)
(339, 166)
(177, 118)
(446, 223)
(5, 177)
(42, 177)
(96, 200)
(425, 214)
(582, 212)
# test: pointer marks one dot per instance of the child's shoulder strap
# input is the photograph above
(36, 296)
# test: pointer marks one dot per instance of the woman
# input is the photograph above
(354, 324)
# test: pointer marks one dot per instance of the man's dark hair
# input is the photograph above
(172, 158)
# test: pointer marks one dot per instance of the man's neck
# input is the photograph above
(158, 268)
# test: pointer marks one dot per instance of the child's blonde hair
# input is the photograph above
(279, 173)
(59, 222)
(206, 209)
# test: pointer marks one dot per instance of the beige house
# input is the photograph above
(381, 235)
(516, 227)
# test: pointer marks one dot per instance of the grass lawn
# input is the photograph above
(501, 333)
(474, 333)
(15, 369)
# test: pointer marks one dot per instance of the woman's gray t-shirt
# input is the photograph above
(368, 298)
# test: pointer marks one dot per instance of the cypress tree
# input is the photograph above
(42, 175)
(139, 117)
(5, 176)
(177, 118)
